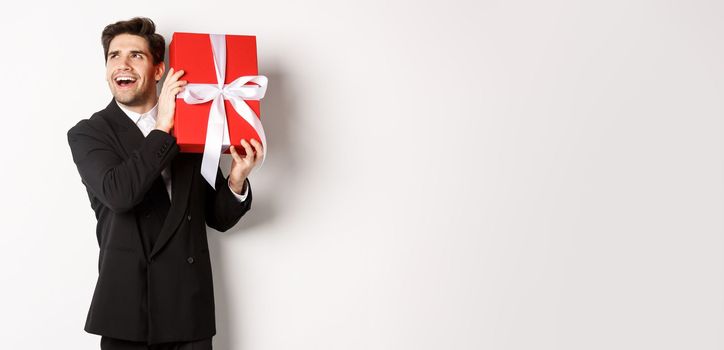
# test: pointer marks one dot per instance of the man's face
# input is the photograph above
(130, 71)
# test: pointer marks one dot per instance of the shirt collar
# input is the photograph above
(135, 117)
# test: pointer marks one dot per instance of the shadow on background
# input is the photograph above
(277, 110)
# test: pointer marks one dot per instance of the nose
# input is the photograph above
(123, 65)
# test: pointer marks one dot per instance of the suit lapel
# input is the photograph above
(182, 174)
(129, 135)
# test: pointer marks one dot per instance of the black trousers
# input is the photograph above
(108, 343)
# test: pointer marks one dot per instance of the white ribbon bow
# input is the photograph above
(217, 133)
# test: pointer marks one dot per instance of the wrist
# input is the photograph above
(165, 129)
(238, 188)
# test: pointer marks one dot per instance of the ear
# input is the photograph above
(158, 71)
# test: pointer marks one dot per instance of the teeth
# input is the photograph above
(119, 79)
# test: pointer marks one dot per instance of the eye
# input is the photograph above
(137, 55)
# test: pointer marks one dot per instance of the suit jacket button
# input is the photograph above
(190, 260)
(188, 218)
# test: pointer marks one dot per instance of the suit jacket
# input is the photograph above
(154, 272)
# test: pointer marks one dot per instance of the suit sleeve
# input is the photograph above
(120, 184)
(223, 209)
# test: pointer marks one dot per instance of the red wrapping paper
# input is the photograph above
(192, 53)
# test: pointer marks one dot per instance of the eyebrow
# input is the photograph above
(132, 51)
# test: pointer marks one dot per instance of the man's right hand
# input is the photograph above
(167, 99)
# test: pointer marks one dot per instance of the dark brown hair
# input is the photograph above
(141, 26)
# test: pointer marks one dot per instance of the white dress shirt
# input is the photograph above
(147, 122)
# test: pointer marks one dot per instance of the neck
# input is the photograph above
(141, 107)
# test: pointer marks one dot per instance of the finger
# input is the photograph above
(169, 92)
(256, 143)
(178, 74)
(249, 151)
(257, 148)
(175, 84)
(168, 76)
(235, 154)
(175, 91)
(172, 78)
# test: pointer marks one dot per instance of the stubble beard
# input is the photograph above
(131, 98)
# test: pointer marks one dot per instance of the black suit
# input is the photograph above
(154, 283)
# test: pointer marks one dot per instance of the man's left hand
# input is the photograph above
(241, 167)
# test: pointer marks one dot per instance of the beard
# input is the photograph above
(131, 97)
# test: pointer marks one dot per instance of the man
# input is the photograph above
(154, 288)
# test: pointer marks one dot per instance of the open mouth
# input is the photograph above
(125, 81)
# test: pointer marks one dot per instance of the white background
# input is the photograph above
(441, 175)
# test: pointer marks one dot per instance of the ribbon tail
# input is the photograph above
(248, 114)
(226, 140)
(260, 131)
(214, 141)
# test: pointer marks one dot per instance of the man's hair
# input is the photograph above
(141, 26)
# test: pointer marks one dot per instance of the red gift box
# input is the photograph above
(192, 53)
